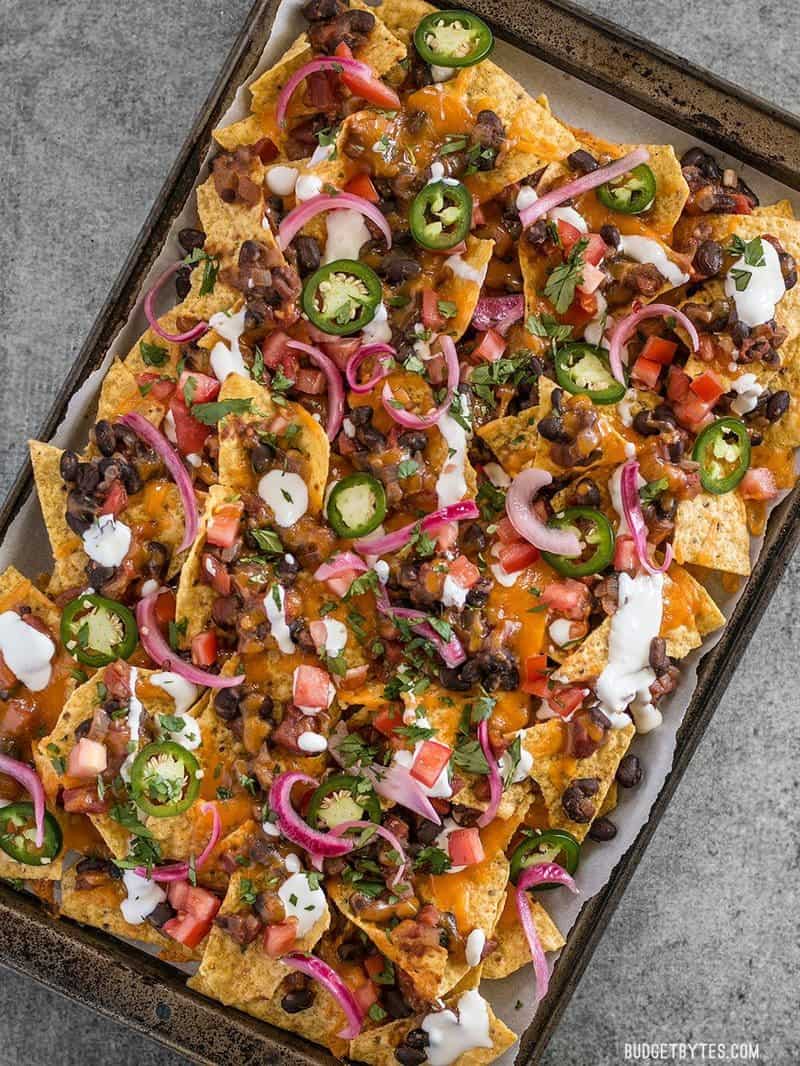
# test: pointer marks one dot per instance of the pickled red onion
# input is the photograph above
(149, 311)
(522, 517)
(339, 564)
(543, 873)
(334, 379)
(381, 831)
(179, 871)
(342, 201)
(294, 828)
(413, 421)
(495, 780)
(30, 781)
(381, 369)
(624, 330)
(632, 509)
(320, 971)
(334, 63)
(498, 312)
(392, 542)
(160, 652)
(395, 783)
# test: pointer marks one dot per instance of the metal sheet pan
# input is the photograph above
(133, 988)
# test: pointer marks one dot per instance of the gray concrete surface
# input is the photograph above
(96, 98)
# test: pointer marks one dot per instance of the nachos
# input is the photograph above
(391, 535)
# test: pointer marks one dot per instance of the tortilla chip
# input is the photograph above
(465, 292)
(711, 531)
(780, 209)
(233, 973)
(552, 773)
(610, 802)
(785, 433)
(377, 1047)
(69, 558)
(512, 951)
(120, 395)
(611, 448)
(99, 907)
(514, 439)
(195, 598)
(227, 225)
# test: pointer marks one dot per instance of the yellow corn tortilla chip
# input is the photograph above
(512, 951)
(514, 439)
(711, 531)
(99, 907)
(611, 448)
(235, 471)
(195, 598)
(785, 433)
(780, 209)
(553, 773)
(233, 973)
(120, 395)
(228, 225)
(377, 1047)
(611, 800)
(464, 292)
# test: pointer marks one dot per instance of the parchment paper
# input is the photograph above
(577, 104)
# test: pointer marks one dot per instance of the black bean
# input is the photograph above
(704, 162)
(417, 1038)
(68, 466)
(552, 428)
(708, 259)
(740, 332)
(582, 161)
(394, 1003)
(226, 703)
(629, 771)
(499, 672)
(602, 829)
(161, 914)
(426, 831)
(225, 611)
(131, 478)
(105, 437)
(611, 235)
(538, 234)
(80, 512)
(576, 800)
(361, 415)
(83, 730)
(658, 655)
(308, 255)
(409, 1056)
(297, 1000)
(788, 269)
(777, 405)
(413, 440)
(261, 458)
(183, 282)
(351, 951)
(98, 575)
(87, 478)
(478, 595)
(267, 709)
(190, 239)
(157, 560)
(287, 569)
(398, 268)
(586, 493)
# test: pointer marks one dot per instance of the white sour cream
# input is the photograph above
(747, 391)
(381, 568)
(275, 606)
(524, 766)
(302, 902)
(312, 743)
(135, 712)
(286, 494)
(437, 172)
(182, 692)
(335, 636)
(440, 74)
(226, 359)
(107, 540)
(378, 331)
(755, 303)
(321, 154)
(188, 736)
(347, 232)
(624, 407)
(476, 942)
(451, 1035)
(570, 216)
(281, 180)
(645, 250)
(627, 676)
(453, 594)
(466, 271)
(451, 485)
(525, 197)
(26, 651)
(497, 475)
(292, 863)
(144, 896)
(595, 331)
(307, 187)
(560, 631)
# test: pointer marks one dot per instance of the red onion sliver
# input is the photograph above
(339, 564)
(495, 780)
(624, 330)
(334, 379)
(398, 538)
(632, 509)
(395, 783)
(299, 216)
(522, 517)
(292, 826)
(150, 314)
(412, 421)
(161, 653)
(382, 367)
(352, 66)
(450, 650)
(31, 782)
(581, 185)
(549, 873)
(381, 831)
(173, 462)
(179, 871)
(498, 312)
(320, 971)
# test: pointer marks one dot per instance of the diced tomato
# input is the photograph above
(490, 346)
(279, 938)
(320, 90)
(625, 555)
(203, 389)
(596, 249)
(658, 350)
(87, 759)
(517, 556)
(354, 678)
(116, 500)
(361, 185)
(707, 387)
(319, 634)
(759, 484)
(536, 676)
(186, 930)
(368, 87)
(311, 382)
(266, 150)
(693, 413)
(165, 608)
(463, 572)
(567, 597)
(215, 573)
(678, 384)
(190, 434)
(340, 584)
(311, 687)
(274, 350)
(387, 720)
(586, 302)
(117, 679)
(464, 847)
(158, 388)
(478, 217)
(565, 701)
(431, 316)
(741, 204)
(575, 315)
(568, 234)
(7, 677)
(340, 349)
(593, 278)
(366, 994)
(431, 759)
(191, 899)
(447, 536)
(506, 532)
(374, 965)
(84, 800)
(646, 372)
(223, 528)
(204, 648)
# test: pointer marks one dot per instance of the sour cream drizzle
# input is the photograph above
(26, 651)
(451, 485)
(107, 540)
(286, 494)
(183, 692)
(144, 896)
(275, 607)
(451, 1035)
(302, 902)
(645, 250)
(347, 232)
(226, 359)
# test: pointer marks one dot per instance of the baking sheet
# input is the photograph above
(577, 104)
